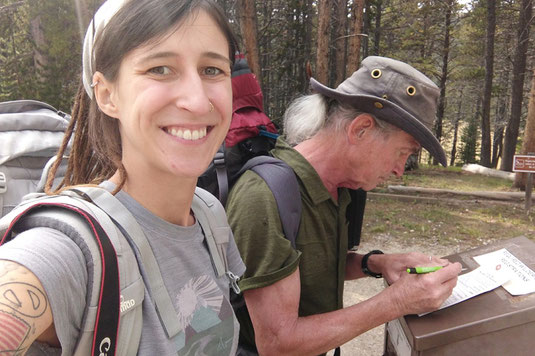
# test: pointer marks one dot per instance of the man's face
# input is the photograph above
(382, 155)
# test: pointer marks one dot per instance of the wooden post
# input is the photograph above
(526, 164)
(529, 184)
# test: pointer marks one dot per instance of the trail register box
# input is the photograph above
(491, 323)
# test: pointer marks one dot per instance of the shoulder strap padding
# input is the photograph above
(211, 215)
(282, 182)
(131, 283)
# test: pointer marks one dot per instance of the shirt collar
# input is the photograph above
(306, 173)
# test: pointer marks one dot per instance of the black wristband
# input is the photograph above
(364, 264)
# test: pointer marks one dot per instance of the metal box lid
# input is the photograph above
(485, 313)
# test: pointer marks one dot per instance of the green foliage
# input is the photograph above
(39, 51)
(469, 142)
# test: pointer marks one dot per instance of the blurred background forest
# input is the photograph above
(479, 52)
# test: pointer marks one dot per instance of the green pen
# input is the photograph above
(421, 270)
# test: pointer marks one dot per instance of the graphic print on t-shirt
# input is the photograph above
(206, 318)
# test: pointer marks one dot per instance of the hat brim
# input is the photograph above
(391, 113)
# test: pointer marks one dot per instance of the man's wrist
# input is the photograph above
(365, 265)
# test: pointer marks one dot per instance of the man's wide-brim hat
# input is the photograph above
(394, 92)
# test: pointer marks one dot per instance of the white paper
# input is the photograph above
(522, 278)
(478, 281)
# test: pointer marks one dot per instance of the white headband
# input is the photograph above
(101, 19)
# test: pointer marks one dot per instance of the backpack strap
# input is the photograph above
(213, 220)
(131, 229)
(221, 174)
(106, 320)
(3, 189)
(282, 182)
(355, 216)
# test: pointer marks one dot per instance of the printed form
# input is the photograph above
(498, 268)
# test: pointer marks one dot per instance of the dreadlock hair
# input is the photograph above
(96, 150)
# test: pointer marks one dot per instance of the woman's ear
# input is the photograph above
(360, 126)
(104, 92)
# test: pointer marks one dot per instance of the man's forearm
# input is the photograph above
(316, 334)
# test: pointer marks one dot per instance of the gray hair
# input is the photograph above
(308, 115)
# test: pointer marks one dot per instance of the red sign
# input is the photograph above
(524, 163)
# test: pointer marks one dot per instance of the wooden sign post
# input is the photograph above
(526, 164)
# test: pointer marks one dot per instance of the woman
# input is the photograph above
(158, 75)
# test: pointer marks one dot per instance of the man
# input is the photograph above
(354, 136)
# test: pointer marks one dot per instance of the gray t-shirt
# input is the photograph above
(201, 300)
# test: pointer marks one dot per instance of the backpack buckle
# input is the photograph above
(219, 159)
(3, 183)
(233, 279)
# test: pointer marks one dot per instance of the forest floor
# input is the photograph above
(432, 225)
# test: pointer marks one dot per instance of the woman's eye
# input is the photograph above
(212, 71)
(161, 70)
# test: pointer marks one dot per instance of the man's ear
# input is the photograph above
(360, 126)
(104, 92)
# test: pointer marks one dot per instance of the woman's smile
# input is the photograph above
(188, 134)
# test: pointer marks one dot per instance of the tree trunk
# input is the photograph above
(528, 145)
(519, 67)
(322, 54)
(40, 59)
(456, 128)
(499, 128)
(353, 56)
(366, 28)
(247, 15)
(444, 76)
(85, 9)
(308, 47)
(341, 41)
(497, 146)
(487, 91)
(377, 32)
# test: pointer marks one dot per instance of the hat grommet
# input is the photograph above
(411, 90)
(378, 105)
(376, 73)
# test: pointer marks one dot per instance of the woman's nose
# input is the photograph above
(191, 95)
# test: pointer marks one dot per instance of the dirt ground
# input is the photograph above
(371, 342)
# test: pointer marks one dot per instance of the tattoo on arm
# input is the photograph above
(24, 298)
(8, 267)
(23, 304)
(17, 330)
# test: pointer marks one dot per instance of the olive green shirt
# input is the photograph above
(268, 255)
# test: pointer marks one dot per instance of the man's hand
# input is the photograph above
(421, 293)
(394, 266)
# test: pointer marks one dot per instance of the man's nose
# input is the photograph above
(399, 169)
